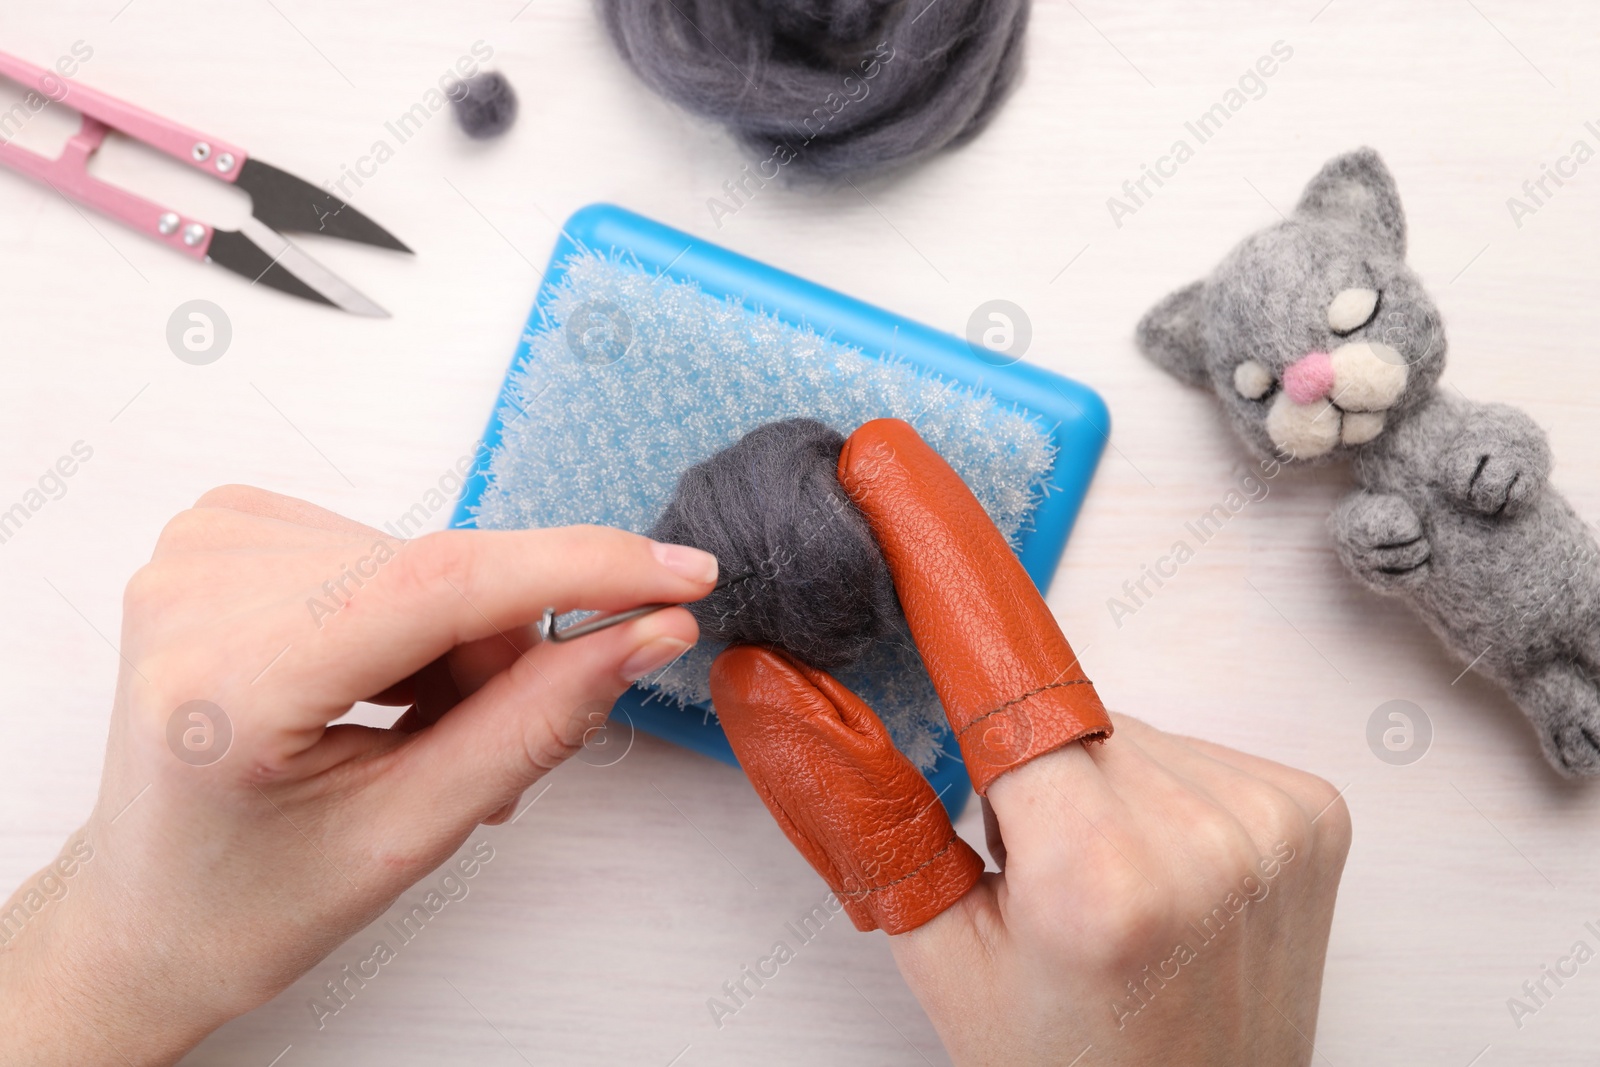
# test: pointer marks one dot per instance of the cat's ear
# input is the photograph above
(1357, 188)
(1171, 336)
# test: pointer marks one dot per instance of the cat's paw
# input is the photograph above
(1491, 483)
(1564, 704)
(1498, 464)
(1574, 749)
(1381, 539)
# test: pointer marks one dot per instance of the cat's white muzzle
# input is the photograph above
(1334, 398)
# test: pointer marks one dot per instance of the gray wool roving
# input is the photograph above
(828, 87)
(1322, 344)
(770, 506)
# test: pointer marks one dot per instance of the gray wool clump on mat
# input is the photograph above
(628, 379)
(770, 507)
(1322, 344)
(828, 87)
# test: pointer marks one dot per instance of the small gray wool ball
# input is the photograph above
(488, 107)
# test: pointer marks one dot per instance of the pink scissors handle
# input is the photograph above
(207, 154)
(69, 173)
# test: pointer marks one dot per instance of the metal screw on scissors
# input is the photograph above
(257, 249)
(547, 625)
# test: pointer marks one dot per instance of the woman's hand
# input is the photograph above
(1164, 901)
(1161, 900)
(238, 837)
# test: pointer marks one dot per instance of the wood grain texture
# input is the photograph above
(628, 894)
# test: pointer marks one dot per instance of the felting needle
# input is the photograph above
(547, 625)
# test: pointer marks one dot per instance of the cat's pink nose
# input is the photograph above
(1309, 378)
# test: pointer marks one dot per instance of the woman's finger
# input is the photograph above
(474, 663)
(523, 722)
(220, 530)
(859, 811)
(1010, 683)
(269, 505)
(457, 587)
(1082, 810)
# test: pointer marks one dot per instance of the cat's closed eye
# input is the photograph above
(1351, 310)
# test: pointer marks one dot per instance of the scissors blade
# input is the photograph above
(290, 205)
(263, 255)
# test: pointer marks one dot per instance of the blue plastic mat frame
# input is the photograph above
(1077, 419)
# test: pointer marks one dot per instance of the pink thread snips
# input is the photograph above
(280, 202)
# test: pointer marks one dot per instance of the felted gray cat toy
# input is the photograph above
(1322, 345)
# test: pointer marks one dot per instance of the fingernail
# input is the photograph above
(653, 656)
(686, 562)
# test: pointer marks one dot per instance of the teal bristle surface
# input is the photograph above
(594, 442)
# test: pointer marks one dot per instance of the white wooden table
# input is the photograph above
(628, 894)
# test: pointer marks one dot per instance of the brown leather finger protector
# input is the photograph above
(1010, 684)
(843, 794)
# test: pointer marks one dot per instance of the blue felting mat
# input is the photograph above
(649, 349)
